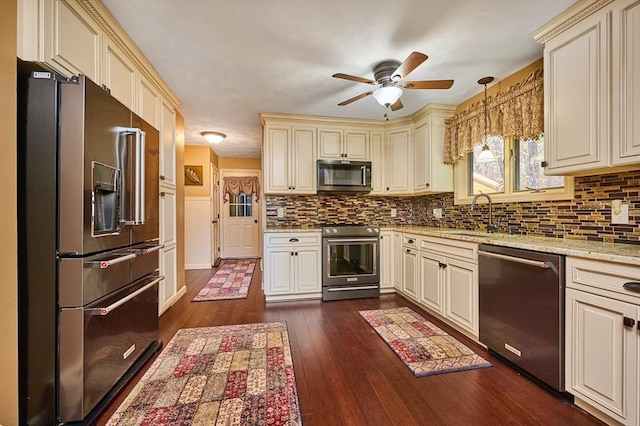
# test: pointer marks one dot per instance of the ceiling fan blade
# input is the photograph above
(428, 84)
(396, 106)
(354, 78)
(355, 98)
(409, 64)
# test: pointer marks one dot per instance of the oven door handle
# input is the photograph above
(352, 240)
(107, 309)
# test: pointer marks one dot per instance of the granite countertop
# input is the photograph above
(612, 252)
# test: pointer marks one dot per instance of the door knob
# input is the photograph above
(255, 221)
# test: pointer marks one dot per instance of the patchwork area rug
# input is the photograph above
(231, 281)
(229, 375)
(421, 345)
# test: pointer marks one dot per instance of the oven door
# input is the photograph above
(349, 261)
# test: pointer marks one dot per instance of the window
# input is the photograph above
(515, 173)
(240, 205)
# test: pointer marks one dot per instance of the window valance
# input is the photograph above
(516, 113)
(234, 185)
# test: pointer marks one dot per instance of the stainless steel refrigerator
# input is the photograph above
(88, 246)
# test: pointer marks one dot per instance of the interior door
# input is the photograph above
(215, 215)
(240, 222)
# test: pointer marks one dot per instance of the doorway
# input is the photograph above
(215, 215)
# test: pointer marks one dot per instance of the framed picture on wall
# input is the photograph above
(193, 175)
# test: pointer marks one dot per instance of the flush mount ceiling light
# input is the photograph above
(387, 95)
(485, 155)
(213, 137)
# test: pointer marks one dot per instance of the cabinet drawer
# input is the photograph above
(409, 240)
(444, 246)
(602, 275)
(279, 240)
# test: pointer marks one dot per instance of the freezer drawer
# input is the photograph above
(100, 342)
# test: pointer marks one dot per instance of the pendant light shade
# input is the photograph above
(387, 95)
(485, 155)
(213, 137)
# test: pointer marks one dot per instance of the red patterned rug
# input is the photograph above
(231, 281)
(422, 346)
(229, 375)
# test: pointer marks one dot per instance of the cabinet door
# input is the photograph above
(356, 145)
(421, 160)
(278, 271)
(626, 83)
(386, 260)
(276, 160)
(330, 144)
(167, 145)
(167, 216)
(461, 294)
(376, 150)
(148, 102)
(399, 162)
(303, 164)
(576, 97)
(601, 354)
(119, 74)
(431, 281)
(307, 270)
(168, 287)
(410, 272)
(397, 260)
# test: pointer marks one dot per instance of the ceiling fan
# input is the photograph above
(387, 75)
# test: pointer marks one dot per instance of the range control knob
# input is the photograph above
(335, 231)
(369, 230)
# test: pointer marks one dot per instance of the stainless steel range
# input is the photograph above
(350, 262)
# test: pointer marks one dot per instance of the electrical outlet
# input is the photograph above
(619, 213)
(280, 211)
(394, 212)
(437, 213)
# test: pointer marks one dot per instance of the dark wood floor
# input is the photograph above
(347, 375)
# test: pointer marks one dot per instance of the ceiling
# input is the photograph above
(230, 60)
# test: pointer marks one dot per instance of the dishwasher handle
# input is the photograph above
(538, 263)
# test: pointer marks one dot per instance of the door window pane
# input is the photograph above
(240, 205)
(487, 176)
(530, 174)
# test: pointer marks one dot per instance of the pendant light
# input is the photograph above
(485, 155)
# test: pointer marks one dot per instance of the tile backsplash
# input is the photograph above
(587, 216)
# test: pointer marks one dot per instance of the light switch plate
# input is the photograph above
(394, 212)
(437, 213)
(622, 217)
(280, 211)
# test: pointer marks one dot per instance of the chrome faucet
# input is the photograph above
(491, 227)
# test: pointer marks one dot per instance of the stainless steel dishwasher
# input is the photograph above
(522, 309)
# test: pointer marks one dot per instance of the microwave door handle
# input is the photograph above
(363, 170)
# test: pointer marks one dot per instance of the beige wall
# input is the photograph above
(502, 85)
(198, 156)
(180, 152)
(239, 163)
(8, 220)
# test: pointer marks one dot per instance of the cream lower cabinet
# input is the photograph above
(602, 346)
(387, 265)
(292, 266)
(410, 266)
(168, 254)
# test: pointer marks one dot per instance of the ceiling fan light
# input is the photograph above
(387, 95)
(485, 155)
(213, 137)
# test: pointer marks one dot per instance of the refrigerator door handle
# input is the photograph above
(107, 309)
(147, 250)
(104, 264)
(138, 202)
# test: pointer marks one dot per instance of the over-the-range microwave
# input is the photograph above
(340, 176)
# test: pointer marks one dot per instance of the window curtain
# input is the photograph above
(235, 185)
(516, 113)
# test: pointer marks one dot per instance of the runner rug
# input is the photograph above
(421, 345)
(231, 281)
(229, 375)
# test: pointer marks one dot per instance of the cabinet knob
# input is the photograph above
(628, 322)
(427, 184)
(408, 251)
(387, 188)
(632, 286)
(162, 177)
(293, 240)
(544, 164)
(162, 194)
(411, 241)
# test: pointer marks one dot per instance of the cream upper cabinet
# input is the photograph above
(378, 162)
(149, 102)
(591, 89)
(430, 172)
(343, 144)
(60, 35)
(119, 75)
(399, 161)
(167, 145)
(626, 82)
(289, 160)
